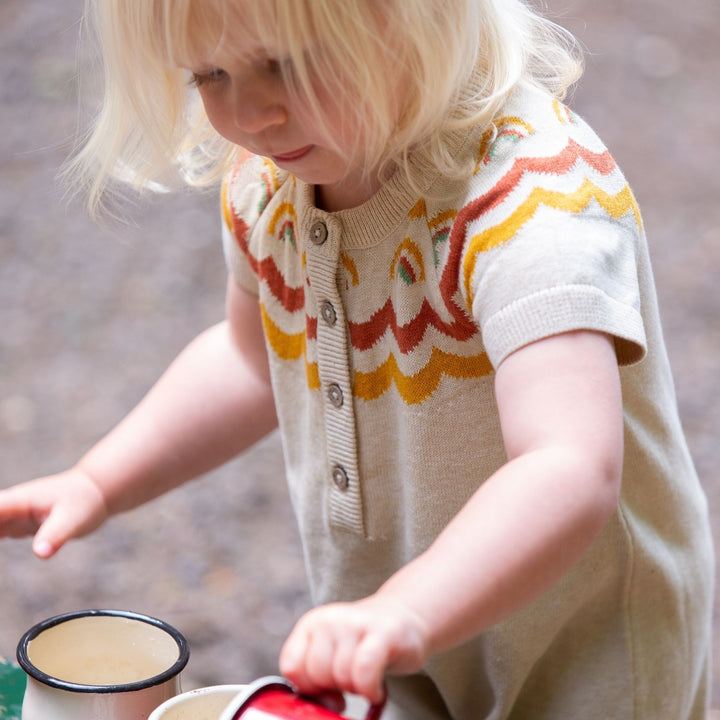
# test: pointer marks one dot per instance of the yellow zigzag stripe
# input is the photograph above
(283, 209)
(445, 217)
(506, 120)
(225, 202)
(289, 347)
(272, 170)
(562, 112)
(349, 264)
(368, 386)
(419, 210)
(616, 205)
(286, 347)
(416, 388)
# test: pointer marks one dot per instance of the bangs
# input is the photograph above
(401, 86)
(186, 31)
(190, 32)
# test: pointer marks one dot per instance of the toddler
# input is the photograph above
(440, 292)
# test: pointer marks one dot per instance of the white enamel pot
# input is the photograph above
(100, 665)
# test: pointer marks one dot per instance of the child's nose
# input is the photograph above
(255, 111)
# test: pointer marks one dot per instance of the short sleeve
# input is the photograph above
(553, 247)
(561, 273)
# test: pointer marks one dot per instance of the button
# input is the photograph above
(335, 395)
(318, 233)
(327, 311)
(340, 477)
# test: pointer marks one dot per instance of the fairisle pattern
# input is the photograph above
(442, 245)
(384, 324)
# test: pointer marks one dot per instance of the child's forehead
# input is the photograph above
(209, 28)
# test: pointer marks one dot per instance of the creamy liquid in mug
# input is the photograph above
(103, 650)
(106, 669)
(208, 706)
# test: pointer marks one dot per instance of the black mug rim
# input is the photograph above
(26, 664)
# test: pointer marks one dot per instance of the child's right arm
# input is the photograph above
(213, 402)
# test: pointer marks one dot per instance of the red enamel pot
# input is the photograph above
(274, 698)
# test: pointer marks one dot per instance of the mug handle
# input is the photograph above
(375, 710)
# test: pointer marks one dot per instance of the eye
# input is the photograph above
(273, 66)
(277, 67)
(208, 77)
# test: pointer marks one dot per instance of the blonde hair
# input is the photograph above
(457, 61)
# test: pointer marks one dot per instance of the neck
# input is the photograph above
(348, 193)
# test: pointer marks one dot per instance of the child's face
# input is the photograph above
(248, 103)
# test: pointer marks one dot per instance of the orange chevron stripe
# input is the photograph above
(371, 385)
(365, 334)
(616, 205)
(415, 388)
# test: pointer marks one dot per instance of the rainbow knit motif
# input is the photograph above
(384, 325)
(441, 244)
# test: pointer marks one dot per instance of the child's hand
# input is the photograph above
(350, 647)
(56, 508)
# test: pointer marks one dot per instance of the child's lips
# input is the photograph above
(292, 156)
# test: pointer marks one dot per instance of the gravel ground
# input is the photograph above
(90, 317)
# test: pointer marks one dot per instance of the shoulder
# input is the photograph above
(548, 233)
(538, 153)
(535, 134)
(248, 188)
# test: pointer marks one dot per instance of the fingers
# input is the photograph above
(52, 534)
(78, 509)
(44, 549)
(371, 661)
(316, 661)
(350, 647)
(54, 509)
(19, 514)
(25, 510)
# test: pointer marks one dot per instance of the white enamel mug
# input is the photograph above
(100, 665)
(206, 703)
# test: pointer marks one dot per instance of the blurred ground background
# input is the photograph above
(90, 317)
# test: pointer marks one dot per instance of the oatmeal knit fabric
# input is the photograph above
(385, 324)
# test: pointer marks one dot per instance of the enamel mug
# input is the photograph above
(100, 665)
(205, 703)
(274, 698)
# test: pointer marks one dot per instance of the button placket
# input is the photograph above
(318, 233)
(327, 313)
(335, 395)
(333, 358)
(340, 477)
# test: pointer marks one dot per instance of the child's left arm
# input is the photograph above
(525, 527)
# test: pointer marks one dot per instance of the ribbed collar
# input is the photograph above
(367, 225)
